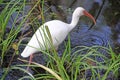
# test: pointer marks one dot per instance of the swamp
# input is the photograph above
(89, 52)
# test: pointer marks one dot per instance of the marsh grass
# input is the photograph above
(7, 39)
(73, 64)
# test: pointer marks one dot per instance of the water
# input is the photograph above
(105, 32)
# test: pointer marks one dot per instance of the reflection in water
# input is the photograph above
(91, 37)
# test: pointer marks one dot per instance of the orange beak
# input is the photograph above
(89, 15)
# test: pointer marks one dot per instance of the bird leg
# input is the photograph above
(30, 60)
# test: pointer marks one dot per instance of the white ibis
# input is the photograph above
(58, 31)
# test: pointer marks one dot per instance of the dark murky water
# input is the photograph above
(105, 32)
(107, 22)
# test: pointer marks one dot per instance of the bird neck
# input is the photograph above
(74, 22)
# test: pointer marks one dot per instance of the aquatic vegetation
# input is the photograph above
(69, 63)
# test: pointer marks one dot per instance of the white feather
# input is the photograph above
(58, 30)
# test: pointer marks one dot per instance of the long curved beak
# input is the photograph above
(89, 15)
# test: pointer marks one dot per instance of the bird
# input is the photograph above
(55, 31)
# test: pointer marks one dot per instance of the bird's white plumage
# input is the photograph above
(58, 30)
(39, 41)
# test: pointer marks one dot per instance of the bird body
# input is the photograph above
(40, 42)
(58, 32)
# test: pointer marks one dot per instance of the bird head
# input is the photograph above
(79, 11)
